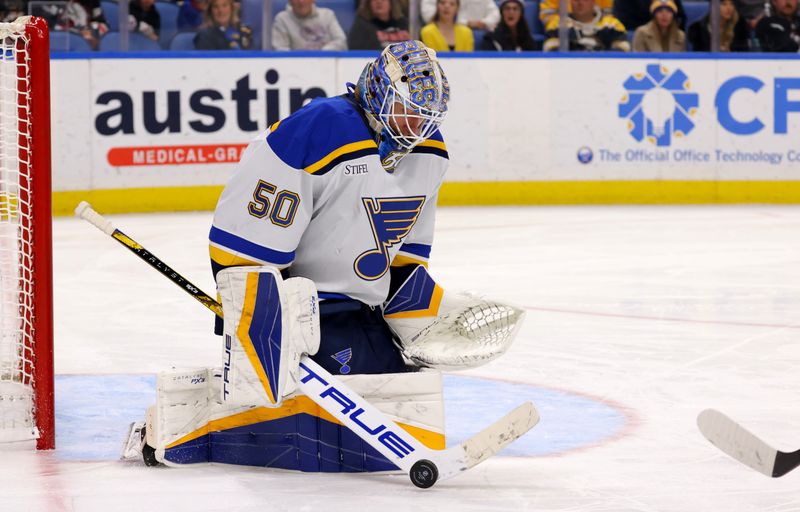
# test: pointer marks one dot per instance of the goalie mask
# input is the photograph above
(404, 93)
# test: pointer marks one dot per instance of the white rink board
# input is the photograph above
(511, 119)
(117, 113)
(590, 117)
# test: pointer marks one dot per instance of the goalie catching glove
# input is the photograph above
(269, 324)
(449, 331)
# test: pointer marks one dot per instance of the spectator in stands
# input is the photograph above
(549, 8)
(84, 17)
(733, 33)
(589, 30)
(223, 29)
(635, 13)
(7, 11)
(751, 10)
(779, 30)
(145, 18)
(476, 14)
(378, 23)
(50, 12)
(190, 15)
(512, 33)
(661, 34)
(444, 32)
(12, 9)
(304, 26)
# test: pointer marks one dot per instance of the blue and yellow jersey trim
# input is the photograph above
(412, 254)
(428, 306)
(228, 249)
(350, 151)
(432, 146)
(225, 259)
(419, 296)
(322, 135)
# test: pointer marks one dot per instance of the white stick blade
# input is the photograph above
(500, 434)
(736, 441)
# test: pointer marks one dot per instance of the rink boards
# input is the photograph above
(162, 132)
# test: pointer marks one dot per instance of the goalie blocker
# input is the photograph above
(249, 412)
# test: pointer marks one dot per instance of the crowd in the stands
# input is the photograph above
(445, 25)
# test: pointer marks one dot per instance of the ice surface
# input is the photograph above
(638, 318)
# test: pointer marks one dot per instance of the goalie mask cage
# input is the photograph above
(26, 323)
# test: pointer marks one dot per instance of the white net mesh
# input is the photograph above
(16, 250)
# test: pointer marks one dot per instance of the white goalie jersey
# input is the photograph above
(311, 195)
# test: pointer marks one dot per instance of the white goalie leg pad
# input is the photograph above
(413, 400)
(269, 324)
(188, 407)
(184, 401)
(449, 331)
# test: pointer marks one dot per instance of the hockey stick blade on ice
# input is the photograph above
(744, 446)
(424, 465)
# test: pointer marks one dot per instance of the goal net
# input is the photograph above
(26, 369)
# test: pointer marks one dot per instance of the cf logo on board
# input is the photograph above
(658, 105)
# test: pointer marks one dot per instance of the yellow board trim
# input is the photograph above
(617, 192)
(243, 333)
(140, 200)
(347, 148)
(9, 206)
(431, 310)
(293, 407)
(474, 193)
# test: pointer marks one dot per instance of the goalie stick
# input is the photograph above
(424, 466)
(744, 446)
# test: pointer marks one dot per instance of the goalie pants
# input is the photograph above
(356, 340)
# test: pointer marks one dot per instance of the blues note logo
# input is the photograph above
(343, 357)
(391, 220)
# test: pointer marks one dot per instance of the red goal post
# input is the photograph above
(26, 285)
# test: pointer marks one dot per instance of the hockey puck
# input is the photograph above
(424, 474)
